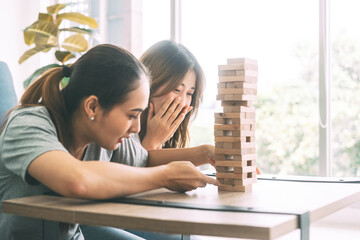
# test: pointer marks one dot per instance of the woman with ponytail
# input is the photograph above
(66, 140)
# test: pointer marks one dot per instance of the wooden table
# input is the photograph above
(320, 199)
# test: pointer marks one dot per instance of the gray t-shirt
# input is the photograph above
(30, 132)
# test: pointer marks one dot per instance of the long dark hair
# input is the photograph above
(168, 63)
(106, 71)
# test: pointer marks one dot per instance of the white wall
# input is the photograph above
(15, 15)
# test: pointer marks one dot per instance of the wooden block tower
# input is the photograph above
(234, 129)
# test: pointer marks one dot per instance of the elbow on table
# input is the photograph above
(75, 189)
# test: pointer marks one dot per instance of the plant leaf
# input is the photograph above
(33, 51)
(78, 30)
(29, 37)
(43, 27)
(55, 8)
(90, 32)
(41, 39)
(75, 43)
(38, 73)
(63, 56)
(79, 18)
(45, 17)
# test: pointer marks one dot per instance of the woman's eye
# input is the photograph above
(190, 94)
(132, 116)
(177, 90)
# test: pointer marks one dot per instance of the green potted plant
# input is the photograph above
(46, 34)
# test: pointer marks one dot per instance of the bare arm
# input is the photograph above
(100, 180)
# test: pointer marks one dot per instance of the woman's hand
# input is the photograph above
(210, 149)
(184, 176)
(161, 126)
(210, 154)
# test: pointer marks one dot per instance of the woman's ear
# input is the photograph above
(91, 105)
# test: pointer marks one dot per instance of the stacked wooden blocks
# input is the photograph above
(234, 128)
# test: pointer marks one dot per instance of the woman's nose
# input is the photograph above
(183, 100)
(136, 126)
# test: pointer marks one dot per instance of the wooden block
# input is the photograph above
(238, 115)
(243, 109)
(227, 73)
(246, 172)
(236, 151)
(233, 133)
(235, 78)
(219, 145)
(238, 66)
(247, 127)
(222, 133)
(234, 97)
(226, 157)
(232, 145)
(224, 169)
(233, 138)
(238, 109)
(244, 91)
(232, 163)
(242, 120)
(227, 120)
(241, 61)
(245, 72)
(250, 115)
(236, 182)
(235, 188)
(238, 72)
(241, 172)
(245, 85)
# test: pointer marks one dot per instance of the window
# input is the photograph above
(297, 106)
(156, 22)
(285, 44)
(345, 87)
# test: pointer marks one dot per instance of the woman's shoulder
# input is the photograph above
(30, 116)
(39, 111)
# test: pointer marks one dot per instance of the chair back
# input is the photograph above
(8, 98)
